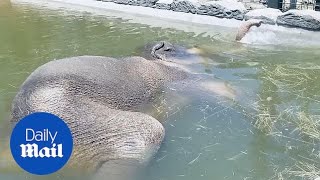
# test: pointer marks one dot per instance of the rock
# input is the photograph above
(254, 5)
(122, 1)
(268, 15)
(223, 9)
(146, 3)
(187, 6)
(306, 19)
(164, 4)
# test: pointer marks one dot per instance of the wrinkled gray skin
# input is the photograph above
(100, 99)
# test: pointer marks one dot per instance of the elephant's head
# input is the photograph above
(165, 51)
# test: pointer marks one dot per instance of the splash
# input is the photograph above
(277, 35)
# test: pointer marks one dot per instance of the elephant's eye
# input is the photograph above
(168, 49)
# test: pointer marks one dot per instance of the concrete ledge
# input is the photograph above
(137, 10)
(226, 13)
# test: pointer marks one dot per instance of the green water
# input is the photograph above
(270, 131)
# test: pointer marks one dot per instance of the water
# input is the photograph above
(269, 131)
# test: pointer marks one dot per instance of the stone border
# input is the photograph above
(138, 14)
(231, 9)
(225, 13)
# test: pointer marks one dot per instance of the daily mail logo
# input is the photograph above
(32, 150)
(41, 143)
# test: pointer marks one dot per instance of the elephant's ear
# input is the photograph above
(146, 51)
(156, 48)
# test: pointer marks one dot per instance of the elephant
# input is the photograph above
(101, 99)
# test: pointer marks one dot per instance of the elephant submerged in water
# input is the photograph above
(100, 98)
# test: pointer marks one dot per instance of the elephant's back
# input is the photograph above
(97, 69)
(93, 94)
(125, 84)
(106, 70)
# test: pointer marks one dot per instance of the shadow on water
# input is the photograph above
(270, 130)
